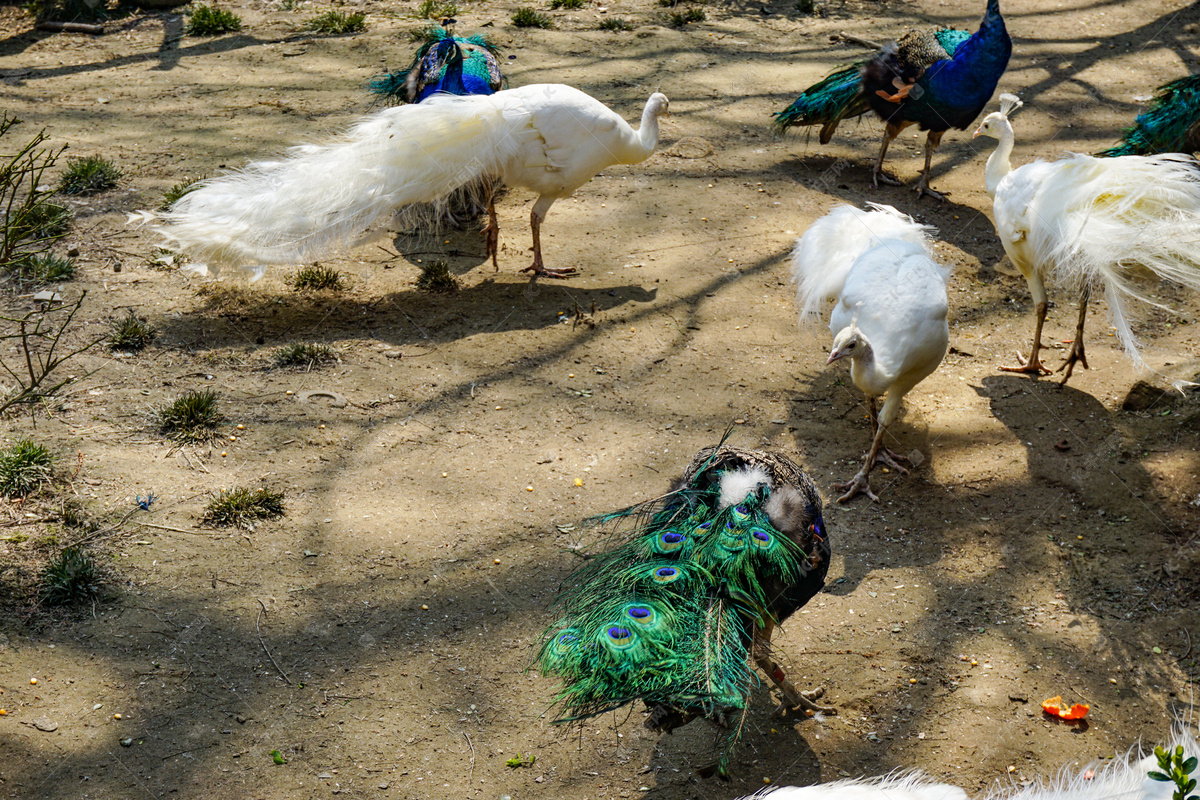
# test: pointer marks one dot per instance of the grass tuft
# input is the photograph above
(306, 355)
(244, 505)
(191, 418)
(615, 24)
(679, 19)
(211, 21)
(177, 191)
(436, 9)
(41, 268)
(567, 4)
(24, 467)
(435, 277)
(72, 577)
(526, 17)
(89, 175)
(130, 333)
(317, 278)
(337, 22)
(41, 220)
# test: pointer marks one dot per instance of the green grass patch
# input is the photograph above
(211, 21)
(41, 220)
(243, 505)
(24, 467)
(336, 22)
(435, 277)
(89, 175)
(194, 417)
(305, 355)
(526, 17)
(615, 24)
(37, 269)
(130, 333)
(567, 4)
(679, 19)
(177, 191)
(317, 278)
(70, 578)
(436, 9)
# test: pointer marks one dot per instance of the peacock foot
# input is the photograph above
(1030, 366)
(539, 271)
(923, 190)
(857, 485)
(806, 701)
(1076, 355)
(894, 460)
(879, 176)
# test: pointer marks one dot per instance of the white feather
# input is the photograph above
(1122, 778)
(1095, 223)
(823, 256)
(546, 137)
(737, 484)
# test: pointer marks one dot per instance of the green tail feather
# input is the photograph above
(833, 99)
(1170, 125)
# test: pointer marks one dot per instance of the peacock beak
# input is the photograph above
(978, 131)
(834, 355)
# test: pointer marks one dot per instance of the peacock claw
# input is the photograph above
(923, 190)
(893, 460)
(805, 701)
(1076, 355)
(882, 177)
(859, 484)
(1028, 366)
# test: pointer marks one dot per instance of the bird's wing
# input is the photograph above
(898, 294)
(903, 786)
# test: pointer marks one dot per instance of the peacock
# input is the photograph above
(445, 63)
(1093, 224)
(937, 79)
(1127, 778)
(889, 315)
(549, 138)
(1170, 125)
(689, 594)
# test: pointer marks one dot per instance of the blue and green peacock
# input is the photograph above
(447, 64)
(675, 612)
(937, 79)
(1170, 125)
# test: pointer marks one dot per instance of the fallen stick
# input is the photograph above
(69, 27)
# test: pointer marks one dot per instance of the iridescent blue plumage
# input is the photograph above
(937, 79)
(1170, 125)
(673, 612)
(446, 63)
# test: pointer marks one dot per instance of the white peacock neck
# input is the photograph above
(999, 162)
(646, 138)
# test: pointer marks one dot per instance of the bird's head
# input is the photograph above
(658, 105)
(992, 125)
(849, 343)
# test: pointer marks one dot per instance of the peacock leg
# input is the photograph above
(932, 140)
(760, 650)
(1033, 365)
(491, 232)
(537, 268)
(1076, 353)
(885, 456)
(860, 483)
(890, 131)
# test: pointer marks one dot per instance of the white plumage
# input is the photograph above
(1093, 224)
(889, 309)
(549, 138)
(1121, 778)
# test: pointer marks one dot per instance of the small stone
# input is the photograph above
(1143, 396)
(1019, 698)
(127, 742)
(45, 724)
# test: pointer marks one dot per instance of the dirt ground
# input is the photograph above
(380, 635)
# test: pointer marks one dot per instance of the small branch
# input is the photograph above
(264, 644)
(852, 39)
(471, 778)
(69, 27)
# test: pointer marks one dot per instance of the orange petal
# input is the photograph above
(1054, 706)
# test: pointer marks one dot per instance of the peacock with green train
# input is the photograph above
(686, 598)
(936, 79)
(1170, 125)
(446, 64)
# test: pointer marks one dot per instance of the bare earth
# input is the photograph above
(379, 636)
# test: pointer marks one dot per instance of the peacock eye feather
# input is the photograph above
(641, 615)
(666, 575)
(761, 537)
(621, 637)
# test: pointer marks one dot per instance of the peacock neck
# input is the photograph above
(992, 10)
(646, 138)
(999, 162)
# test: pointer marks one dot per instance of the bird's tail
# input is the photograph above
(822, 257)
(1119, 217)
(321, 197)
(1167, 125)
(827, 102)
(667, 614)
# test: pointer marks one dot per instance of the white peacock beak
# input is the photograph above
(833, 356)
(978, 131)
